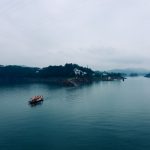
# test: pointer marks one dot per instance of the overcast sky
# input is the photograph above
(103, 34)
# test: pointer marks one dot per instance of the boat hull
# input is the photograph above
(36, 101)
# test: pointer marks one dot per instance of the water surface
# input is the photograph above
(105, 115)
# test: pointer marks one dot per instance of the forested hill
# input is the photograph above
(12, 71)
(68, 75)
(68, 70)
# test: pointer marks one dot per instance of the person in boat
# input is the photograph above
(35, 98)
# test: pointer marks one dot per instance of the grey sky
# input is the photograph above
(102, 34)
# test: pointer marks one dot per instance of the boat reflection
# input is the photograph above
(36, 104)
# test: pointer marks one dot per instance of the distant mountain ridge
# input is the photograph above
(128, 71)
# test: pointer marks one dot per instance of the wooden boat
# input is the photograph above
(36, 99)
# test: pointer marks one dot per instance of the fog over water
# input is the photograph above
(103, 34)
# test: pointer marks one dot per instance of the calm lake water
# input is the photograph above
(102, 116)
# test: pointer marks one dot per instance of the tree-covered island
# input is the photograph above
(67, 75)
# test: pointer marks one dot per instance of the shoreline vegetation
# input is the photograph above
(67, 75)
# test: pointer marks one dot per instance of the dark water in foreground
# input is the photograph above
(101, 116)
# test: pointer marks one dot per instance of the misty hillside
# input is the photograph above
(129, 71)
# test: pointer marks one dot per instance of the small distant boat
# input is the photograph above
(36, 99)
